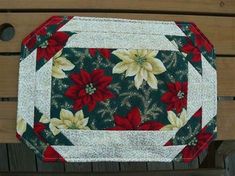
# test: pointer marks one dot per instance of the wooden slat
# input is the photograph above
(219, 30)
(4, 167)
(133, 166)
(226, 81)
(9, 66)
(153, 166)
(226, 121)
(201, 172)
(192, 165)
(105, 167)
(21, 158)
(224, 150)
(229, 164)
(206, 6)
(49, 167)
(78, 167)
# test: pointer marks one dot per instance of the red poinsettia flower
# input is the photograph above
(50, 47)
(200, 39)
(106, 53)
(89, 88)
(50, 155)
(133, 122)
(31, 39)
(189, 48)
(38, 128)
(176, 97)
(196, 146)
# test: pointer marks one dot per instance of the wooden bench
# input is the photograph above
(216, 19)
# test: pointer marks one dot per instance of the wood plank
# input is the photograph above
(206, 6)
(201, 172)
(105, 167)
(78, 167)
(10, 64)
(226, 121)
(21, 158)
(153, 166)
(133, 166)
(4, 167)
(192, 165)
(224, 150)
(218, 29)
(226, 82)
(49, 167)
(229, 164)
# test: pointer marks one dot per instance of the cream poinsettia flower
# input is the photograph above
(21, 126)
(68, 121)
(176, 122)
(61, 64)
(141, 63)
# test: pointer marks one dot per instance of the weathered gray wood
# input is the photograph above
(77, 167)
(105, 167)
(133, 166)
(202, 172)
(153, 166)
(226, 148)
(192, 165)
(21, 158)
(230, 164)
(3, 158)
(49, 167)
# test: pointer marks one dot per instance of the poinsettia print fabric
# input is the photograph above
(86, 99)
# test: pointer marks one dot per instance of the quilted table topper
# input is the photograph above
(105, 89)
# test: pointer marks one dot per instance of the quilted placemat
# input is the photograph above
(103, 89)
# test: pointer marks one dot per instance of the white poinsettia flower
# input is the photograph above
(68, 121)
(176, 122)
(21, 126)
(61, 64)
(141, 63)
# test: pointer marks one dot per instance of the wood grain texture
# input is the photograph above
(49, 167)
(197, 172)
(226, 120)
(186, 166)
(219, 30)
(153, 166)
(21, 158)
(206, 6)
(9, 66)
(105, 167)
(4, 167)
(230, 163)
(78, 167)
(133, 166)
